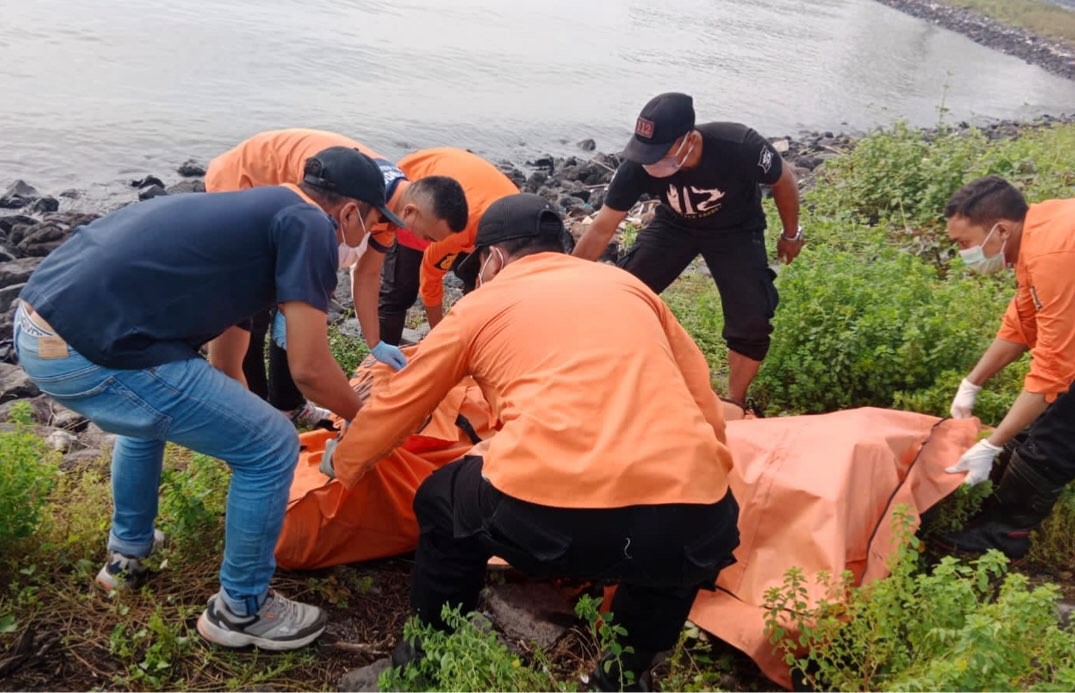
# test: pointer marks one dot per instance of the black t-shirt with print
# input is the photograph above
(721, 192)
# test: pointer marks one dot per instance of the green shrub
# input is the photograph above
(880, 330)
(348, 351)
(193, 499)
(28, 472)
(949, 629)
(1053, 544)
(469, 658)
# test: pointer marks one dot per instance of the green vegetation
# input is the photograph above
(957, 627)
(1037, 16)
(875, 311)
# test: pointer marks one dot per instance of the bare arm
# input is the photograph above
(313, 368)
(999, 354)
(366, 292)
(227, 351)
(1028, 407)
(597, 237)
(786, 197)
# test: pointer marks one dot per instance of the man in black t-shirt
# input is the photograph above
(708, 178)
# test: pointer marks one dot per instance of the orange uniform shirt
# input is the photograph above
(276, 157)
(1041, 315)
(603, 399)
(483, 185)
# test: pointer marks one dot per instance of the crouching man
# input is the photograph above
(611, 461)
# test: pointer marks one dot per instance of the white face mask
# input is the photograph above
(670, 164)
(977, 261)
(481, 271)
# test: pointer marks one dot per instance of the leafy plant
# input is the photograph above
(960, 627)
(469, 657)
(28, 472)
(608, 636)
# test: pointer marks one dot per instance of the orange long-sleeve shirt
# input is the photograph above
(276, 157)
(603, 399)
(1041, 315)
(483, 184)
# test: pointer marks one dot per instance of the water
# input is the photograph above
(96, 92)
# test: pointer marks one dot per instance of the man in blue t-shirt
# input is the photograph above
(110, 325)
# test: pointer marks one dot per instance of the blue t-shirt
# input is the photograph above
(153, 281)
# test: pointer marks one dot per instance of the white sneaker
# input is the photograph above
(310, 415)
(280, 624)
(126, 572)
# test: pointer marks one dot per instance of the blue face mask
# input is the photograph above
(977, 261)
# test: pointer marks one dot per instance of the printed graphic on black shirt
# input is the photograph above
(721, 192)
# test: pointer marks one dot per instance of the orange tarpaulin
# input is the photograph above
(817, 492)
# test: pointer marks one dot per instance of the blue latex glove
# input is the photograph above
(387, 353)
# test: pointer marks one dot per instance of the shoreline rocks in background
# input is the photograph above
(1050, 55)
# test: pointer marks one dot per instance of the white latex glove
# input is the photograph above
(977, 462)
(326, 458)
(966, 395)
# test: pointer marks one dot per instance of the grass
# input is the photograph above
(1036, 16)
(74, 636)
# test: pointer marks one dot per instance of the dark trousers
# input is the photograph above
(736, 259)
(400, 278)
(399, 290)
(278, 389)
(1049, 443)
(660, 554)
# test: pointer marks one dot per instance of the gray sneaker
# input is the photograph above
(280, 624)
(122, 572)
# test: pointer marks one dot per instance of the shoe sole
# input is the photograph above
(230, 638)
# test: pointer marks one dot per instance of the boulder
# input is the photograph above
(18, 195)
(191, 168)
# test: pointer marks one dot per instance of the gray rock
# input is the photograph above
(530, 611)
(147, 182)
(191, 168)
(8, 294)
(86, 457)
(187, 186)
(61, 441)
(18, 194)
(364, 678)
(350, 328)
(39, 412)
(7, 254)
(94, 437)
(17, 271)
(415, 335)
(587, 145)
(11, 221)
(15, 384)
(45, 205)
(68, 420)
(1065, 610)
(151, 192)
(535, 181)
(781, 146)
(71, 194)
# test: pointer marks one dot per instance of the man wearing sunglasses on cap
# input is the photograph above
(708, 178)
(110, 324)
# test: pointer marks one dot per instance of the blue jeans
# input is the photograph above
(192, 404)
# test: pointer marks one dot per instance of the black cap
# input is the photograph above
(348, 172)
(663, 120)
(522, 215)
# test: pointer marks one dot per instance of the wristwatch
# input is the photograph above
(797, 237)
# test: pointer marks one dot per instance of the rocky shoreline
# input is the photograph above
(32, 225)
(1054, 56)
